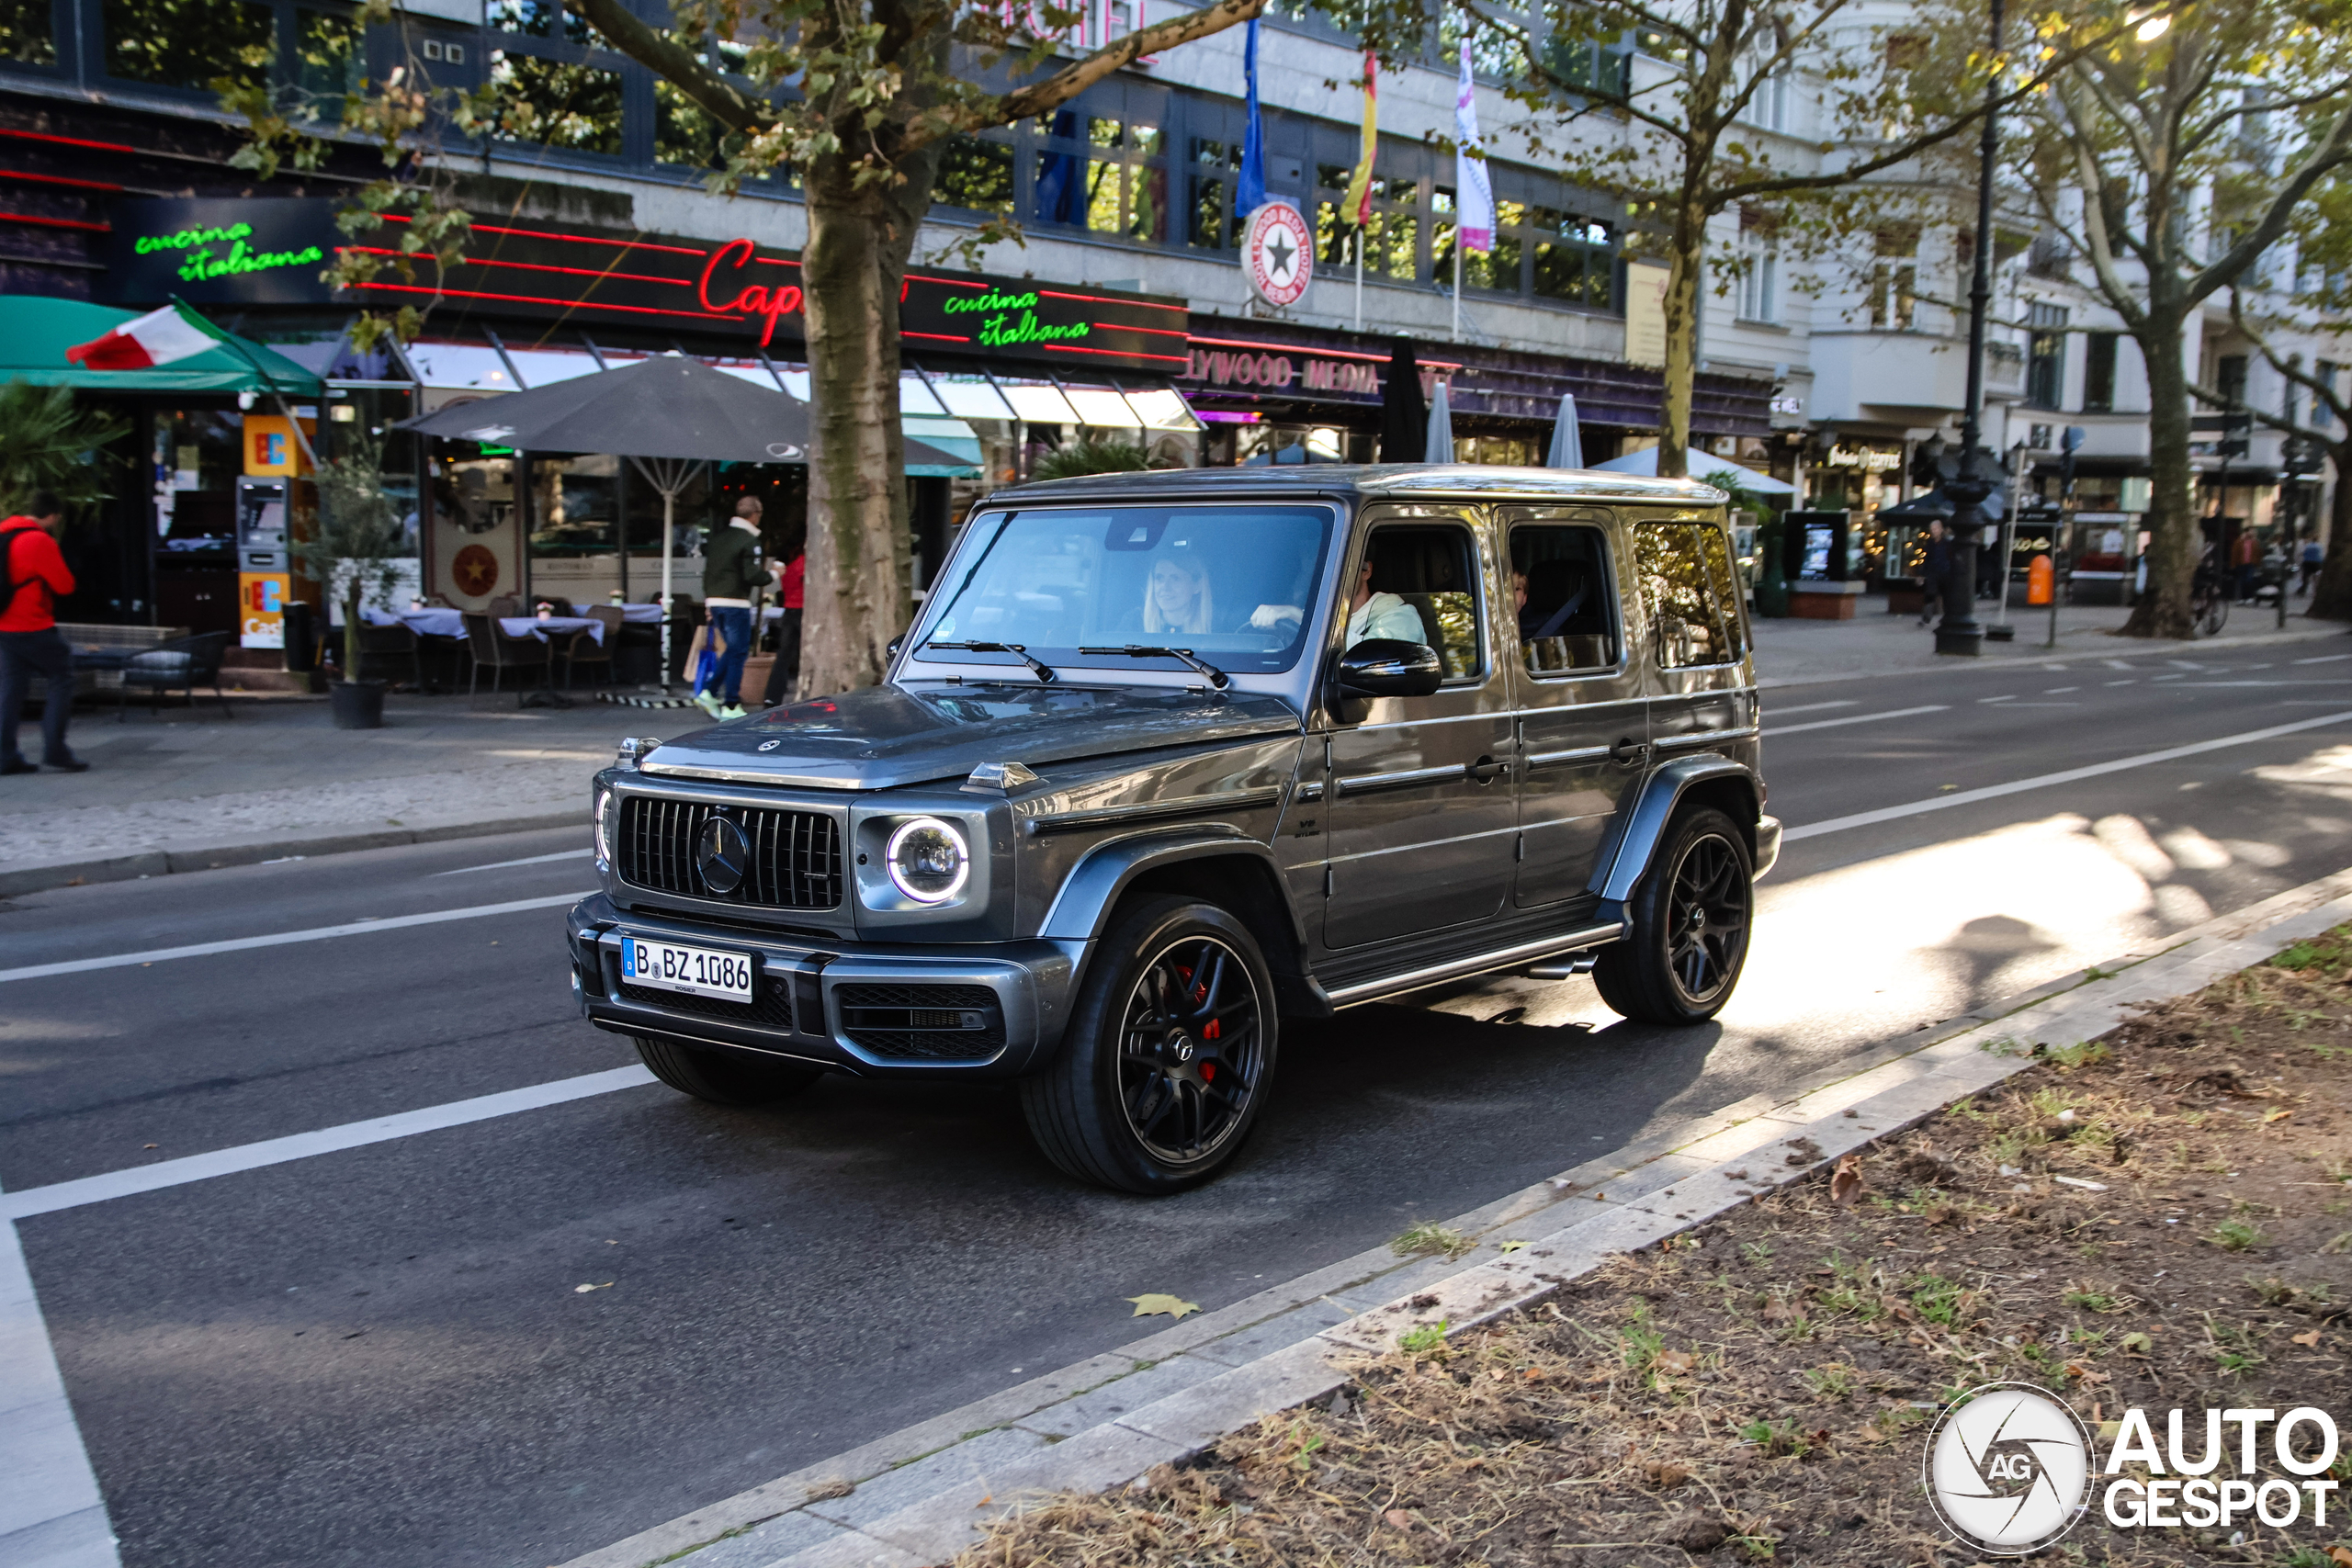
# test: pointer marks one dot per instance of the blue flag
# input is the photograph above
(1251, 193)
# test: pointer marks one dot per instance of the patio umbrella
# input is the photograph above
(1441, 444)
(670, 416)
(1404, 418)
(1698, 465)
(1567, 441)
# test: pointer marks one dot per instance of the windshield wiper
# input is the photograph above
(1217, 677)
(1044, 670)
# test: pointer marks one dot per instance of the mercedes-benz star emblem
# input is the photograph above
(722, 854)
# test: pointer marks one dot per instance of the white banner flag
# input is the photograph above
(1474, 196)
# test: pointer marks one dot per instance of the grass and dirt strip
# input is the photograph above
(2160, 1219)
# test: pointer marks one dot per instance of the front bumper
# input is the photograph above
(982, 1010)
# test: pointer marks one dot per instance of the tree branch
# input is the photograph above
(2336, 407)
(1024, 103)
(683, 69)
(2332, 150)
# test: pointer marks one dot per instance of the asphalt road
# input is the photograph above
(379, 1357)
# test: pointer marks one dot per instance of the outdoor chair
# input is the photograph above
(494, 649)
(183, 662)
(506, 607)
(387, 650)
(582, 648)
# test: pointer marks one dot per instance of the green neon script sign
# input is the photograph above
(1013, 319)
(203, 259)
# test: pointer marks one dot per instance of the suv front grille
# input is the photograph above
(795, 855)
(933, 1023)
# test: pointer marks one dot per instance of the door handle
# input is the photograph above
(1485, 769)
(1628, 751)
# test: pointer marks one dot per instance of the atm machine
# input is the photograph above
(265, 568)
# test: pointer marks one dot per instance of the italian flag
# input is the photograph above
(156, 338)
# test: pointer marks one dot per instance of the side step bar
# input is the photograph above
(1479, 964)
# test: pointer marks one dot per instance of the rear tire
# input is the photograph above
(1691, 916)
(723, 1078)
(1168, 1056)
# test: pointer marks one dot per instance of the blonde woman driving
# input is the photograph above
(1177, 598)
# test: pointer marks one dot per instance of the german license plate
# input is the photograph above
(697, 971)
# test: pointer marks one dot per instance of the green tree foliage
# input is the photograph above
(356, 538)
(47, 442)
(1091, 458)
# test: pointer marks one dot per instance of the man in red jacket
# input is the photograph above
(32, 574)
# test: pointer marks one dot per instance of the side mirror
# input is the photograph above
(896, 643)
(1390, 666)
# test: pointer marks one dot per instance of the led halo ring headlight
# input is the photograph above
(928, 859)
(601, 826)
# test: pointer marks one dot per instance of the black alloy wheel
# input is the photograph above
(1168, 1056)
(1689, 920)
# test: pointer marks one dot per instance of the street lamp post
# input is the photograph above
(1978, 472)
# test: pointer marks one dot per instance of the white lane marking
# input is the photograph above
(2275, 680)
(2010, 698)
(2054, 691)
(2123, 682)
(51, 1510)
(2116, 664)
(2046, 705)
(526, 860)
(1816, 707)
(154, 1177)
(2017, 787)
(280, 939)
(2323, 659)
(1857, 718)
(2185, 664)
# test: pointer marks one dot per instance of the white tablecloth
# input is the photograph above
(424, 622)
(642, 613)
(531, 625)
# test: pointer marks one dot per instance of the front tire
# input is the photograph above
(1690, 918)
(1168, 1056)
(723, 1078)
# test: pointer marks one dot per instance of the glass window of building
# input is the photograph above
(2045, 356)
(557, 103)
(1574, 257)
(330, 58)
(27, 32)
(1894, 281)
(1209, 203)
(188, 43)
(1760, 269)
(541, 19)
(976, 172)
(685, 133)
(2098, 372)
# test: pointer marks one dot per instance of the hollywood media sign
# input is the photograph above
(1277, 372)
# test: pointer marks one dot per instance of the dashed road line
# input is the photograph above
(1857, 718)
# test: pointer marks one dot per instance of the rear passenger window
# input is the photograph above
(1568, 606)
(1423, 587)
(1686, 573)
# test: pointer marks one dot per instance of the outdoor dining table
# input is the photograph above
(645, 614)
(430, 622)
(532, 626)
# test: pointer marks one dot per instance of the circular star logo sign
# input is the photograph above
(2008, 1469)
(1278, 254)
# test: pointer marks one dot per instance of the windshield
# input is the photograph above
(1230, 585)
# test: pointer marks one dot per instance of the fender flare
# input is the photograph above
(1641, 825)
(1083, 903)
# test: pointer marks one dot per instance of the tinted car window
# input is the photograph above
(1567, 618)
(1686, 573)
(1230, 583)
(1428, 575)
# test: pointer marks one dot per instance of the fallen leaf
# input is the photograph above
(1510, 1247)
(2138, 1343)
(1155, 1303)
(1676, 1361)
(1870, 1434)
(2311, 1339)
(147, 1146)
(2279, 1115)
(583, 1290)
(2338, 1555)
(837, 1487)
(1845, 1182)
(1400, 1518)
(1939, 788)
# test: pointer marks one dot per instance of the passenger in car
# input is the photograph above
(1382, 614)
(1560, 601)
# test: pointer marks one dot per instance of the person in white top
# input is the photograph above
(1384, 614)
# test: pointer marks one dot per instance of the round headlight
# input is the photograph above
(929, 859)
(602, 825)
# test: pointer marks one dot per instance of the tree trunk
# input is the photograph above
(1684, 263)
(2175, 541)
(2331, 593)
(859, 553)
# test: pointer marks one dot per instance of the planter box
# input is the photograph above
(1823, 601)
(755, 678)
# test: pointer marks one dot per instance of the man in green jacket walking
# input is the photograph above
(732, 574)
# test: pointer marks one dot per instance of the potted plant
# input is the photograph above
(355, 546)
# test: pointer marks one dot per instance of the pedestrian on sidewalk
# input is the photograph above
(2311, 564)
(732, 574)
(1934, 566)
(784, 675)
(32, 574)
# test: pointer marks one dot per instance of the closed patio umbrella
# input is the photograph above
(1404, 417)
(1440, 442)
(1567, 441)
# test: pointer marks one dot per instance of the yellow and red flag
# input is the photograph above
(1356, 207)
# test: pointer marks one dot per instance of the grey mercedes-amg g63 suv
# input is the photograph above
(1168, 758)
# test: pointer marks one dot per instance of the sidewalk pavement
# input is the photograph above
(187, 789)
(193, 788)
(1793, 652)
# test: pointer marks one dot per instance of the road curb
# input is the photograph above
(174, 862)
(919, 1495)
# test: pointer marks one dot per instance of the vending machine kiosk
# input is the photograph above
(265, 568)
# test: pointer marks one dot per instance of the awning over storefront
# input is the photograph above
(35, 332)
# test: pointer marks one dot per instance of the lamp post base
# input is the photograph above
(1966, 641)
